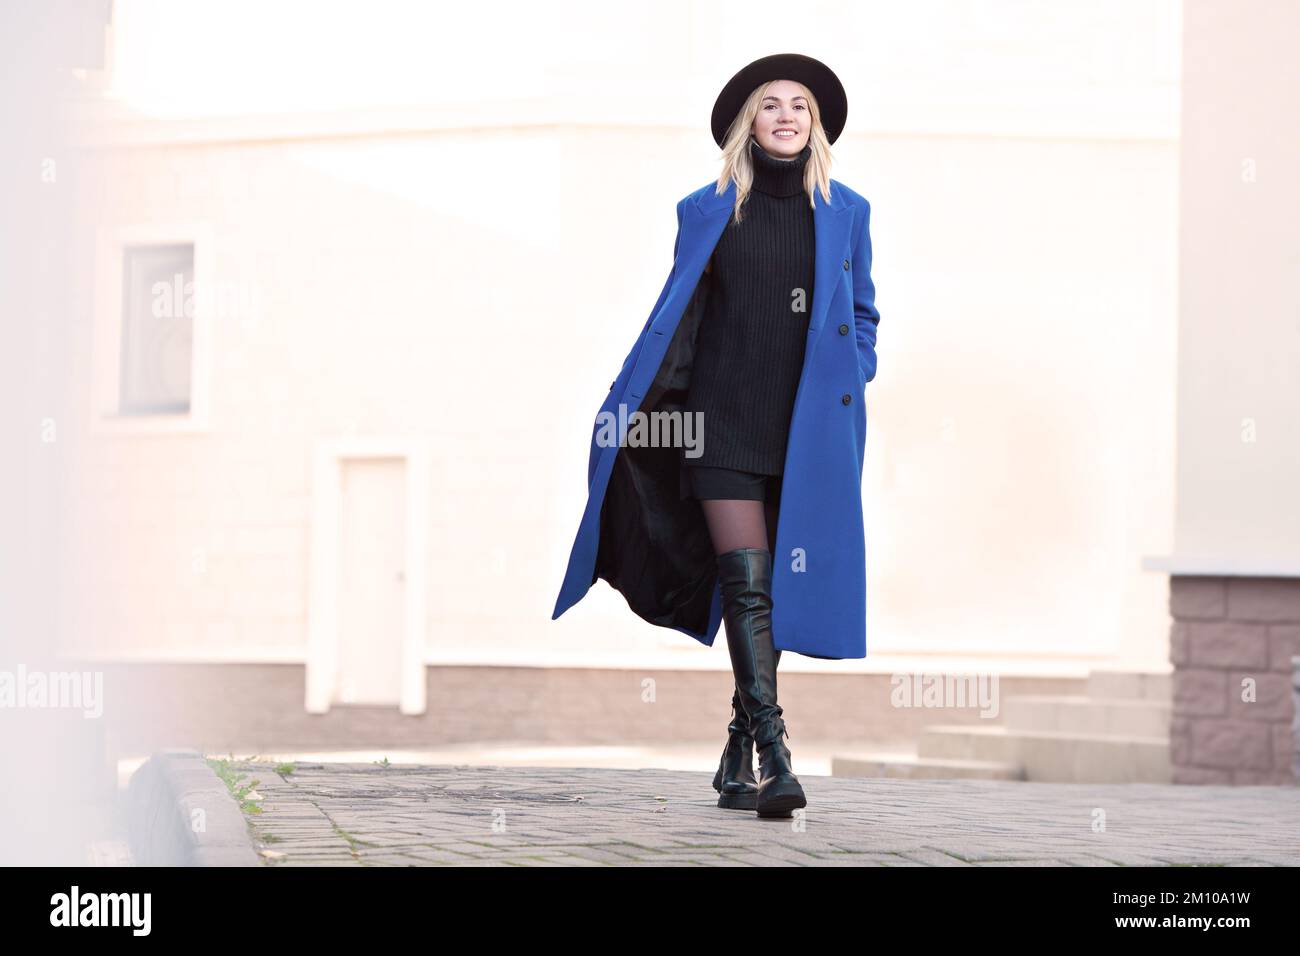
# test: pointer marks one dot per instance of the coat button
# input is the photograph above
(846, 399)
(846, 265)
(844, 330)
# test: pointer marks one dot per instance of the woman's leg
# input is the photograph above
(741, 523)
(745, 580)
(743, 542)
(735, 523)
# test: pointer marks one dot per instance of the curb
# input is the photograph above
(168, 795)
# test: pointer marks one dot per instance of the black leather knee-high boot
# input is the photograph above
(734, 780)
(745, 576)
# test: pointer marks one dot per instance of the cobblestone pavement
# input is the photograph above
(417, 815)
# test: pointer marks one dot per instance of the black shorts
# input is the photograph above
(707, 483)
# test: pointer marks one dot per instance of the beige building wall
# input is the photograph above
(1234, 571)
(461, 277)
(1239, 328)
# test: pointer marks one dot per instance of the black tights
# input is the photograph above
(741, 523)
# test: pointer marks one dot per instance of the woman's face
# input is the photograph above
(783, 121)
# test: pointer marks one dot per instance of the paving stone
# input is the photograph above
(501, 816)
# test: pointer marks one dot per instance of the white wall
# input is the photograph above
(1239, 333)
(472, 269)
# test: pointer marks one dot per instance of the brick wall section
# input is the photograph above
(1226, 631)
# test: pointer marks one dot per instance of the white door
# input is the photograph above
(371, 585)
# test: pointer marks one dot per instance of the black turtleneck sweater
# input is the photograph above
(750, 348)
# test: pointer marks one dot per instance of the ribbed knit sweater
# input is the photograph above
(750, 348)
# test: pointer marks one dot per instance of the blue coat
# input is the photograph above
(654, 547)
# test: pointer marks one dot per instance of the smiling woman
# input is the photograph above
(771, 274)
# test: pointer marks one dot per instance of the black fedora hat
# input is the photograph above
(832, 103)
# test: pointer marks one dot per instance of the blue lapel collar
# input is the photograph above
(706, 218)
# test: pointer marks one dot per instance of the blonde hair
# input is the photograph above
(738, 166)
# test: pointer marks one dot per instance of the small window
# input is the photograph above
(157, 329)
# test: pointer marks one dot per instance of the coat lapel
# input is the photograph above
(706, 218)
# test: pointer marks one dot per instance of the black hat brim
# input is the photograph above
(832, 102)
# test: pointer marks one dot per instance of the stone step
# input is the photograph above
(1105, 717)
(1131, 685)
(913, 767)
(1054, 757)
